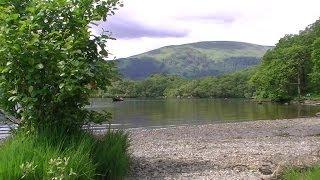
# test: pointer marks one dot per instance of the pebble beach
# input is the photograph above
(245, 150)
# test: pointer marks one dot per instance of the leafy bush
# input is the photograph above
(50, 62)
(81, 156)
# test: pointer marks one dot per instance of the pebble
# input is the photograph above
(216, 151)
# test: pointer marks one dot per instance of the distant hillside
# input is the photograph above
(193, 60)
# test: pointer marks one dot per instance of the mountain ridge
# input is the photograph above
(193, 60)
(198, 42)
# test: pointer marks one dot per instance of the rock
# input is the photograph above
(318, 114)
(265, 170)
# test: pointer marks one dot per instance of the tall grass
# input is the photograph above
(80, 156)
(111, 155)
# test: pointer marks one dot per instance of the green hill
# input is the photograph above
(193, 60)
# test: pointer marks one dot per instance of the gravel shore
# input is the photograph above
(247, 150)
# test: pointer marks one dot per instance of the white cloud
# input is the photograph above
(255, 21)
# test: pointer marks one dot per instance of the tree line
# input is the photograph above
(234, 85)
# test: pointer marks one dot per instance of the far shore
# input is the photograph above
(245, 150)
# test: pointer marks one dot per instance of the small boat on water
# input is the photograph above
(117, 98)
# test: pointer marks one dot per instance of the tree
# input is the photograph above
(299, 57)
(284, 73)
(315, 75)
(273, 79)
(50, 62)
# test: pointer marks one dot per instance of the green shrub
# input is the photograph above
(81, 156)
(51, 44)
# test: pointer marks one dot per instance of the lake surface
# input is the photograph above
(164, 112)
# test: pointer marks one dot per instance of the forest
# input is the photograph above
(292, 68)
(235, 85)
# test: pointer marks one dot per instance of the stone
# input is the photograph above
(265, 170)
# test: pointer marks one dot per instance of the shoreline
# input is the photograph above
(243, 150)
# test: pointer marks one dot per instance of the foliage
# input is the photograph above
(193, 60)
(49, 66)
(291, 69)
(58, 169)
(227, 86)
(49, 62)
(230, 85)
(80, 156)
(315, 74)
(273, 82)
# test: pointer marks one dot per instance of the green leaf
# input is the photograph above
(61, 85)
(15, 16)
(40, 66)
(8, 63)
(30, 89)
(12, 98)
(13, 92)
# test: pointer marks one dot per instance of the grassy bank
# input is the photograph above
(302, 174)
(80, 156)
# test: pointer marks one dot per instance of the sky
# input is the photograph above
(144, 25)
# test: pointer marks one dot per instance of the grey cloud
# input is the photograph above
(124, 28)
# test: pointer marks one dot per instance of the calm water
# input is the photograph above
(150, 112)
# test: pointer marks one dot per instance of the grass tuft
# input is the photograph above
(110, 154)
(80, 156)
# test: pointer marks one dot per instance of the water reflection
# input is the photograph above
(150, 112)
